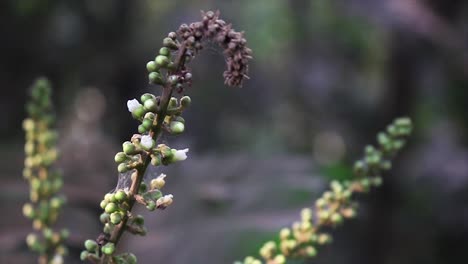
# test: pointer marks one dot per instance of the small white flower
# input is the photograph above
(164, 201)
(57, 260)
(132, 105)
(146, 142)
(180, 155)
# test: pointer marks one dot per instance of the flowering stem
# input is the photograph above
(140, 170)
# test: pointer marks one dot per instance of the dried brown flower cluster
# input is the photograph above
(233, 43)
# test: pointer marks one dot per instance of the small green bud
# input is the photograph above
(104, 218)
(336, 218)
(108, 228)
(177, 127)
(84, 255)
(103, 204)
(110, 208)
(147, 124)
(120, 157)
(108, 197)
(386, 165)
(129, 148)
(142, 129)
(142, 188)
(403, 122)
(150, 105)
(155, 160)
(139, 220)
(172, 103)
(28, 210)
(151, 66)
(165, 51)
(146, 96)
(122, 168)
(120, 195)
(151, 205)
(116, 218)
(185, 101)
(162, 61)
(139, 112)
(168, 42)
(108, 248)
(90, 245)
(359, 167)
(155, 78)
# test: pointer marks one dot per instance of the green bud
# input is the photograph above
(116, 218)
(129, 148)
(103, 204)
(28, 210)
(168, 42)
(155, 160)
(120, 195)
(162, 61)
(110, 208)
(151, 205)
(150, 116)
(142, 188)
(155, 78)
(165, 51)
(91, 245)
(185, 101)
(177, 127)
(139, 112)
(84, 255)
(122, 168)
(172, 103)
(147, 124)
(139, 220)
(359, 167)
(178, 119)
(108, 228)
(108, 248)
(104, 218)
(108, 197)
(120, 157)
(151, 105)
(403, 122)
(146, 96)
(142, 129)
(151, 66)
(336, 218)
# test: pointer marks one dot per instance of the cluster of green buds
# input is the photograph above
(136, 155)
(302, 239)
(44, 182)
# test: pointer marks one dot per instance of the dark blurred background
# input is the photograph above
(326, 76)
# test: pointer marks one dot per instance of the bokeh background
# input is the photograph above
(326, 76)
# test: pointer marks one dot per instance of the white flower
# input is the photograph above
(164, 201)
(132, 105)
(180, 155)
(57, 260)
(146, 142)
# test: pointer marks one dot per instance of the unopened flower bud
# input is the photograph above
(120, 157)
(90, 245)
(116, 218)
(155, 78)
(110, 208)
(151, 66)
(177, 127)
(108, 248)
(185, 101)
(162, 60)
